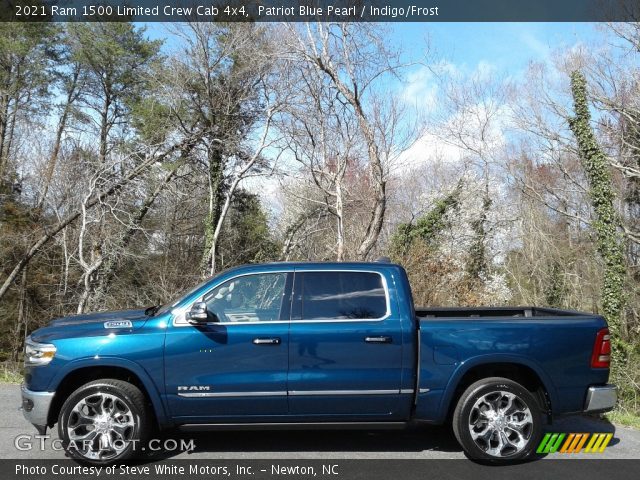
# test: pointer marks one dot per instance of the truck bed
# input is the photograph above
(555, 344)
(495, 312)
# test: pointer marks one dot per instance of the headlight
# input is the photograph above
(36, 354)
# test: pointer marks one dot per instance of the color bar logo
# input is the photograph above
(574, 442)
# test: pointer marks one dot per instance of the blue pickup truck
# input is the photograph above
(313, 345)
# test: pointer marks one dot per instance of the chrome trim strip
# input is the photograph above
(269, 322)
(177, 323)
(293, 426)
(296, 393)
(418, 340)
(231, 394)
(423, 390)
(359, 320)
(343, 392)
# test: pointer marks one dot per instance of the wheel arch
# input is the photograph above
(82, 372)
(518, 369)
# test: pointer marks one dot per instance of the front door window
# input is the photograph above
(250, 298)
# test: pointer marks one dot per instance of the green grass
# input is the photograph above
(624, 418)
(10, 373)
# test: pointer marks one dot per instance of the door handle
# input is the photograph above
(266, 341)
(382, 339)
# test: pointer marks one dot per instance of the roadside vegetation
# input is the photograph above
(623, 418)
(132, 168)
(10, 372)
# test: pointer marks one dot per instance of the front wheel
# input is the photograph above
(103, 422)
(497, 419)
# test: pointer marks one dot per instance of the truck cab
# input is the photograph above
(317, 345)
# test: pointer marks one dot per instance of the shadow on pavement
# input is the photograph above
(584, 424)
(417, 439)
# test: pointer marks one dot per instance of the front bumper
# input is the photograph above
(601, 399)
(35, 407)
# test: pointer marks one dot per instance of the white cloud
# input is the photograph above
(420, 89)
(268, 188)
(426, 150)
(421, 86)
(484, 70)
(535, 45)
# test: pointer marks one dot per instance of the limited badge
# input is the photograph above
(118, 324)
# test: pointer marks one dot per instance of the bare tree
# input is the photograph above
(72, 88)
(99, 196)
(349, 59)
(322, 135)
(95, 258)
(223, 71)
(245, 168)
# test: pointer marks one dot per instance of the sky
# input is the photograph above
(506, 49)
(507, 46)
(503, 49)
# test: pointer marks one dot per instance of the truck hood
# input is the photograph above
(91, 324)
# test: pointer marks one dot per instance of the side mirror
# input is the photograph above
(198, 313)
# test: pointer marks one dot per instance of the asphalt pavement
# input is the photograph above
(419, 443)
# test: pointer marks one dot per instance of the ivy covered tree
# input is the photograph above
(427, 227)
(606, 224)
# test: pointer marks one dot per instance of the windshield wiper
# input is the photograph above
(151, 311)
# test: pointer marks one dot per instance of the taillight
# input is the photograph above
(601, 356)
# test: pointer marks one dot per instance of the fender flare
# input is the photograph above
(488, 359)
(105, 362)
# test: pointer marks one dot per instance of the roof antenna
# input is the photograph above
(383, 260)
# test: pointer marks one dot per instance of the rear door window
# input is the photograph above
(342, 296)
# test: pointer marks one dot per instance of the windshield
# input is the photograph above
(186, 293)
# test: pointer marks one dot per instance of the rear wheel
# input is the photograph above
(497, 419)
(104, 421)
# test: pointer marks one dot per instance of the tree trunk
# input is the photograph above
(4, 121)
(104, 130)
(374, 226)
(62, 124)
(88, 278)
(21, 320)
(339, 220)
(9, 136)
(220, 222)
(216, 184)
(109, 267)
(607, 222)
(4, 117)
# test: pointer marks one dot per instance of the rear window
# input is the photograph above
(342, 296)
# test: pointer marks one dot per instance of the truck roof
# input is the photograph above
(377, 265)
(315, 264)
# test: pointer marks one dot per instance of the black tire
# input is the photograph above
(486, 398)
(128, 404)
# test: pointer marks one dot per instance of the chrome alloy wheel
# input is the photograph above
(500, 424)
(100, 426)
